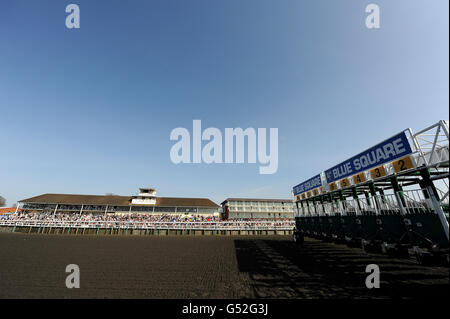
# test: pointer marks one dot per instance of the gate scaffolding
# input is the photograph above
(397, 205)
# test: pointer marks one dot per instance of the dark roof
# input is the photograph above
(115, 200)
(184, 202)
(257, 200)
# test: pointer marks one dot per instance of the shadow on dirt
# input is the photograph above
(280, 269)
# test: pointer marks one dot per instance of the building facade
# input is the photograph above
(247, 208)
(145, 202)
(8, 210)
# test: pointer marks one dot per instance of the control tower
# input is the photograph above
(146, 196)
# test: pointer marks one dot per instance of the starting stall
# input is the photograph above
(393, 198)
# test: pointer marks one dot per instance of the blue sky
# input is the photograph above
(90, 111)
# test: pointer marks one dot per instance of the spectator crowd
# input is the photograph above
(116, 220)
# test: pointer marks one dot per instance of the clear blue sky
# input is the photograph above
(90, 111)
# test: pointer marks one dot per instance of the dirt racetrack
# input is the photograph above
(33, 266)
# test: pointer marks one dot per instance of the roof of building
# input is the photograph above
(257, 200)
(116, 200)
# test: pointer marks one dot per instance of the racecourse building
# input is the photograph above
(248, 208)
(145, 202)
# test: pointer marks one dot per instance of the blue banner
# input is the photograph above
(387, 151)
(310, 184)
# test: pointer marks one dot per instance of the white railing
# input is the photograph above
(351, 206)
(368, 205)
(416, 200)
(224, 225)
(432, 145)
(387, 202)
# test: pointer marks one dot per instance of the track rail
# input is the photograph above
(266, 225)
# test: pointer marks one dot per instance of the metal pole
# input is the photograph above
(343, 202)
(417, 145)
(438, 130)
(302, 209)
(444, 125)
(432, 192)
(398, 189)
(355, 197)
(438, 210)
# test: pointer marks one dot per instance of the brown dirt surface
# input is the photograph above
(33, 266)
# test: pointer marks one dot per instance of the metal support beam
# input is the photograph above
(355, 197)
(434, 198)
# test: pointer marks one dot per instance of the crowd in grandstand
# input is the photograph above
(113, 220)
(49, 216)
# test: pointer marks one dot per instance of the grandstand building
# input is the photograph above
(145, 202)
(239, 208)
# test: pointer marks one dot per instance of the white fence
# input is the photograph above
(223, 225)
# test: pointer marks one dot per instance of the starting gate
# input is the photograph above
(391, 198)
